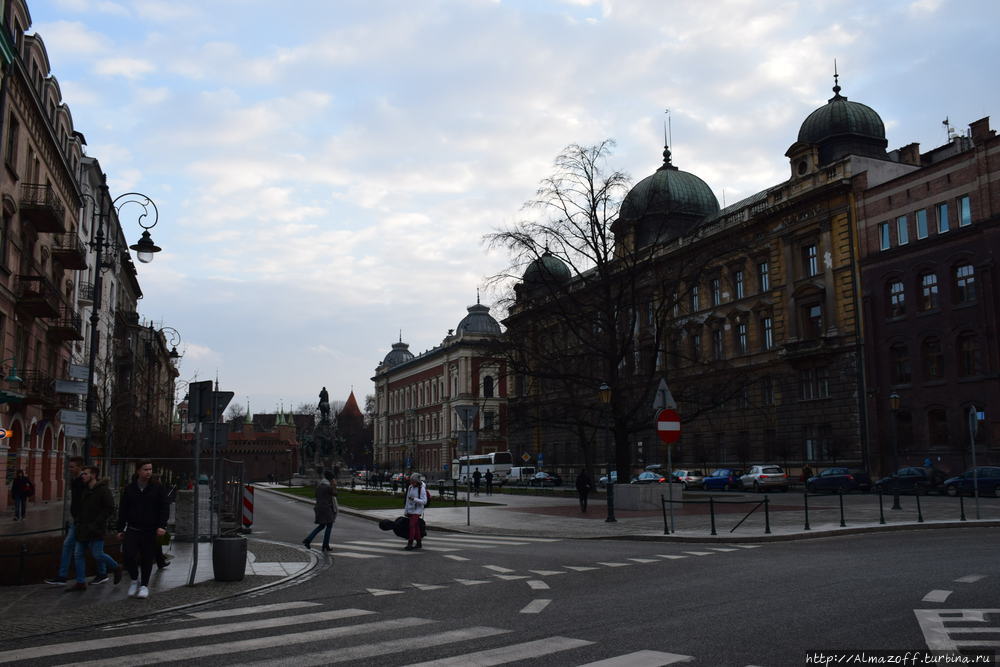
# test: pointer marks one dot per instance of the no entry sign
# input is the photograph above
(668, 426)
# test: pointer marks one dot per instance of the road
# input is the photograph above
(492, 600)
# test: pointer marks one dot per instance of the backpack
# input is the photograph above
(427, 489)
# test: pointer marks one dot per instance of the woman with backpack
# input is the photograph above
(416, 501)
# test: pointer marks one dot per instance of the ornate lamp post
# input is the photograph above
(144, 248)
(604, 394)
(894, 411)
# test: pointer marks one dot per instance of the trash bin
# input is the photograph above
(229, 558)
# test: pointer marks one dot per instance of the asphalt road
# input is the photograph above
(494, 600)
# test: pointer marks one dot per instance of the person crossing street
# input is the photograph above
(96, 508)
(142, 517)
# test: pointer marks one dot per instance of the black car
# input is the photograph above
(839, 479)
(910, 480)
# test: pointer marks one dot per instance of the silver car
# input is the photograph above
(689, 478)
(764, 477)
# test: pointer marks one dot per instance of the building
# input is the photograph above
(416, 426)
(929, 244)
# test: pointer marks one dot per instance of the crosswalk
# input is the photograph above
(445, 545)
(311, 633)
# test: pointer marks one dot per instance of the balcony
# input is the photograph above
(38, 388)
(36, 297)
(68, 250)
(85, 296)
(68, 326)
(40, 206)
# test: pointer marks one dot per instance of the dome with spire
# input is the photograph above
(478, 321)
(399, 354)
(545, 269)
(841, 127)
(667, 204)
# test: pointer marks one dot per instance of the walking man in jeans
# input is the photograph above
(142, 517)
(76, 486)
(97, 506)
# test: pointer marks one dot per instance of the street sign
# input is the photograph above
(73, 417)
(71, 387)
(467, 441)
(75, 430)
(668, 426)
(78, 372)
(199, 401)
(3, 433)
(664, 399)
(467, 413)
(526, 457)
(538, 458)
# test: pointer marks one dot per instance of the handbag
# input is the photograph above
(164, 539)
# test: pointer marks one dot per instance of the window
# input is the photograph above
(902, 231)
(928, 291)
(885, 239)
(968, 355)
(716, 291)
(695, 305)
(814, 383)
(942, 213)
(922, 223)
(12, 131)
(766, 333)
(767, 390)
(810, 260)
(738, 284)
(763, 276)
(964, 211)
(933, 358)
(488, 421)
(965, 284)
(741, 337)
(488, 387)
(900, 359)
(718, 351)
(696, 347)
(4, 231)
(812, 321)
(897, 299)
(937, 428)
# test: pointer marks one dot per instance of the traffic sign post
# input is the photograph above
(668, 430)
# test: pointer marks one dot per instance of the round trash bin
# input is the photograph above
(229, 558)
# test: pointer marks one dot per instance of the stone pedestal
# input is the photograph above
(642, 496)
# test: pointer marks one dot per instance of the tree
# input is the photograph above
(236, 413)
(596, 302)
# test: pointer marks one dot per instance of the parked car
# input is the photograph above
(765, 477)
(987, 478)
(544, 479)
(603, 481)
(839, 479)
(689, 478)
(723, 478)
(648, 477)
(911, 479)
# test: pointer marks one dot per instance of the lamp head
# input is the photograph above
(145, 248)
(604, 393)
(894, 401)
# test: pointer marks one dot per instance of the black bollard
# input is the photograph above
(920, 515)
(881, 511)
(767, 517)
(840, 495)
(961, 505)
(805, 500)
(663, 506)
(711, 511)
(611, 502)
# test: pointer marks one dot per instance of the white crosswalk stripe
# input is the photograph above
(328, 636)
(437, 544)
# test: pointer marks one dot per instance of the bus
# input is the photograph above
(497, 462)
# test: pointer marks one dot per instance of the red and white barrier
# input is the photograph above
(247, 506)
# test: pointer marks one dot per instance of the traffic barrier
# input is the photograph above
(247, 506)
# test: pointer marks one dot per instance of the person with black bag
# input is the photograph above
(416, 501)
(142, 517)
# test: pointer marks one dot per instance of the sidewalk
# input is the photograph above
(559, 515)
(43, 608)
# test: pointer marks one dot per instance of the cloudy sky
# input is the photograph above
(325, 171)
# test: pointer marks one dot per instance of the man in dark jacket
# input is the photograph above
(142, 517)
(20, 490)
(76, 487)
(584, 485)
(96, 507)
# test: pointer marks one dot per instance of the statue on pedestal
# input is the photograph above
(324, 406)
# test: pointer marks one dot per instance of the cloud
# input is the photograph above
(65, 38)
(130, 68)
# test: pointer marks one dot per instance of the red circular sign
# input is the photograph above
(668, 426)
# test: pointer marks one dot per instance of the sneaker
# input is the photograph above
(143, 593)
(133, 589)
(160, 566)
(56, 581)
(99, 579)
(118, 575)
(77, 586)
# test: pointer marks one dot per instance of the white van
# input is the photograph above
(520, 474)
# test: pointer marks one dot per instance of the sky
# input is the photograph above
(325, 171)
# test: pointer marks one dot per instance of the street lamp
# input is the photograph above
(290, 451)
(894, 410)
(145, 248)
(604, 394)
(12, 378)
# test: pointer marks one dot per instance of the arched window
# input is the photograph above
(488, 386)
(965, 284)
(897, 299)
(937, 428)
(900, 356)
(928, 291)
(969, 354)
(933, 358)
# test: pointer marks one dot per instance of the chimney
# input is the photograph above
(981, 131)
(910, 154)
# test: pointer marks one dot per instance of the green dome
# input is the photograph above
(841, 127)
(546, 268)
(668, 204)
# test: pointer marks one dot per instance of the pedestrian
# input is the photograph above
(416, 500)
(76, 487)
(584, 485)
(395, 484)
(325, 510)
(142, 517)
(20, 490)
(476, 478)
(807, 472)
(489, 482)
(96, 508)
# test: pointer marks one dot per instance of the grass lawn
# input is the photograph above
(375, 500)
